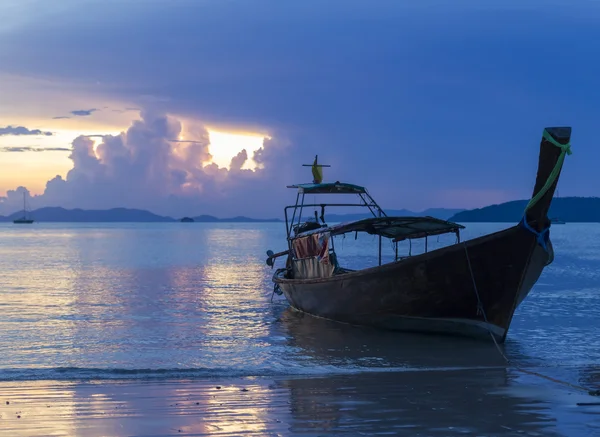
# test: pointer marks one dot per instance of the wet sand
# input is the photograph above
(486, 402)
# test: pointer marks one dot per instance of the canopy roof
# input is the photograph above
(396, 228)
(329, 188)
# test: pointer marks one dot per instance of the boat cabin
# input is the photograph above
(311, 248)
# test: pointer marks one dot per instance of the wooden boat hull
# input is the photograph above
(471, 288)
(433, 292)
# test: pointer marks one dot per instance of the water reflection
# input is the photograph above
(433, 402)
(126, 408)
(416, 403)
(38, 314)
(37, 408)
(133, 297)
(338, 344)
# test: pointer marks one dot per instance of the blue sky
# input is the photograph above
(427, 103)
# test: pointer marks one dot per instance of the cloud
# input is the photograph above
(143, 168)
(83, 112)
(13, 201)
(122, 111)
(238, 161)
(80, 113)
(21, 130)
(34, 149)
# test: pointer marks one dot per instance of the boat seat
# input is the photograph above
(311, 268)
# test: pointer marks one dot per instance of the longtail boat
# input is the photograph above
(470, 287)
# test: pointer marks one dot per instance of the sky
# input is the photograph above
(187, 107)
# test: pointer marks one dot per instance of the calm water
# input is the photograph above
(193, 300)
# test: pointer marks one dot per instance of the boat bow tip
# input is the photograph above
(561, 134)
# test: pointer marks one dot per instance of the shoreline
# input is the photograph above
(489, 401)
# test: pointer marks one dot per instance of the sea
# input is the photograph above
(194, 302)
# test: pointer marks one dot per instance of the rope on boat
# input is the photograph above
(481, 310)
(565, 149)
(542, 237)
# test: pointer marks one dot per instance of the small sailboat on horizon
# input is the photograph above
(24, 219)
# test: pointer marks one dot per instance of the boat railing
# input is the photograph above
(290, 223)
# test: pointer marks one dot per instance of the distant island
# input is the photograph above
(128, 215)
(122, 215)
(569, 209)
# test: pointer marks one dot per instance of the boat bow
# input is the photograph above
(554, 147)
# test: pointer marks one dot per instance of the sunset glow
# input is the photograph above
(33, 169)
(225, 145)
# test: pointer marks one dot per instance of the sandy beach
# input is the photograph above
(486, 402)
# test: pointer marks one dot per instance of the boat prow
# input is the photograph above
(468, 288)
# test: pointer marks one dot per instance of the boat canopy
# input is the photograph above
(395, 228)
(329, 188)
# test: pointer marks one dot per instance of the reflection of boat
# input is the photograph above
(24, 219)
(433, 402)
(470, 288)
(330, 343)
